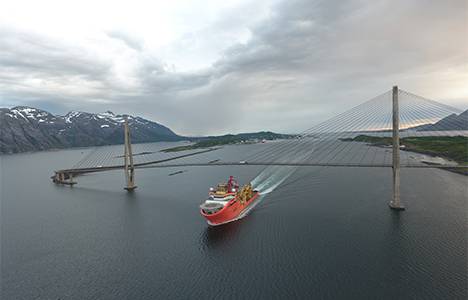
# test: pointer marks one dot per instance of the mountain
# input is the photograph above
(25, 128)
(449, 123)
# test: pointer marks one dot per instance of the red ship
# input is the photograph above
(227, 202)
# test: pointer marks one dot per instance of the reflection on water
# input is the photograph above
(215, 237)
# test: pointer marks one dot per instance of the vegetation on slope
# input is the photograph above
(450, 147)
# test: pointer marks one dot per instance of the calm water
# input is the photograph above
(325, 233)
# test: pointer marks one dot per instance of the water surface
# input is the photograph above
(325, 233)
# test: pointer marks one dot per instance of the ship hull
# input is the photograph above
(232, 211)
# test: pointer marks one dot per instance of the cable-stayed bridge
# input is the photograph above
(395, 129)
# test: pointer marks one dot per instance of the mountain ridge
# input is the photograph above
(25, 128)
(450, 123)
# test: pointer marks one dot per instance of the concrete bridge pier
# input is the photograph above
(63, 178)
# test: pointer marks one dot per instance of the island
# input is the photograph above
(230, 139)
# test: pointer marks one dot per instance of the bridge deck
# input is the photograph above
(158, 164)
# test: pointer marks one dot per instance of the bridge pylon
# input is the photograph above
(128, 160)
(395, 203)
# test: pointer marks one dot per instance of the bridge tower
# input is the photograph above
(395, 202)
(128, 159)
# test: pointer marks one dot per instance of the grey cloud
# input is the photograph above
(156, 77)
(128, 39)
(307, 61)
(335, 54)
(25, 52)
(332, 37)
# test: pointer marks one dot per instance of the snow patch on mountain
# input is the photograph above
(30, 129)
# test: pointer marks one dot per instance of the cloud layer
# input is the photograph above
(284, 65)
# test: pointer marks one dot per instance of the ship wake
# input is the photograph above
(272, 177)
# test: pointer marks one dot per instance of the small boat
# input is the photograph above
(227, 202)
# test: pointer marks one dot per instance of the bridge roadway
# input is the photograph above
(80, 171)
(157, 164)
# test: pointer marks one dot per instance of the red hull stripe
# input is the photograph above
(230, 211)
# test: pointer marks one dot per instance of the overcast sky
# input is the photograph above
(211, 67)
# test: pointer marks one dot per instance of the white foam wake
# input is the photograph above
(270, 178)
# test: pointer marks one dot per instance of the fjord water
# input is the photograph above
(324, 233)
